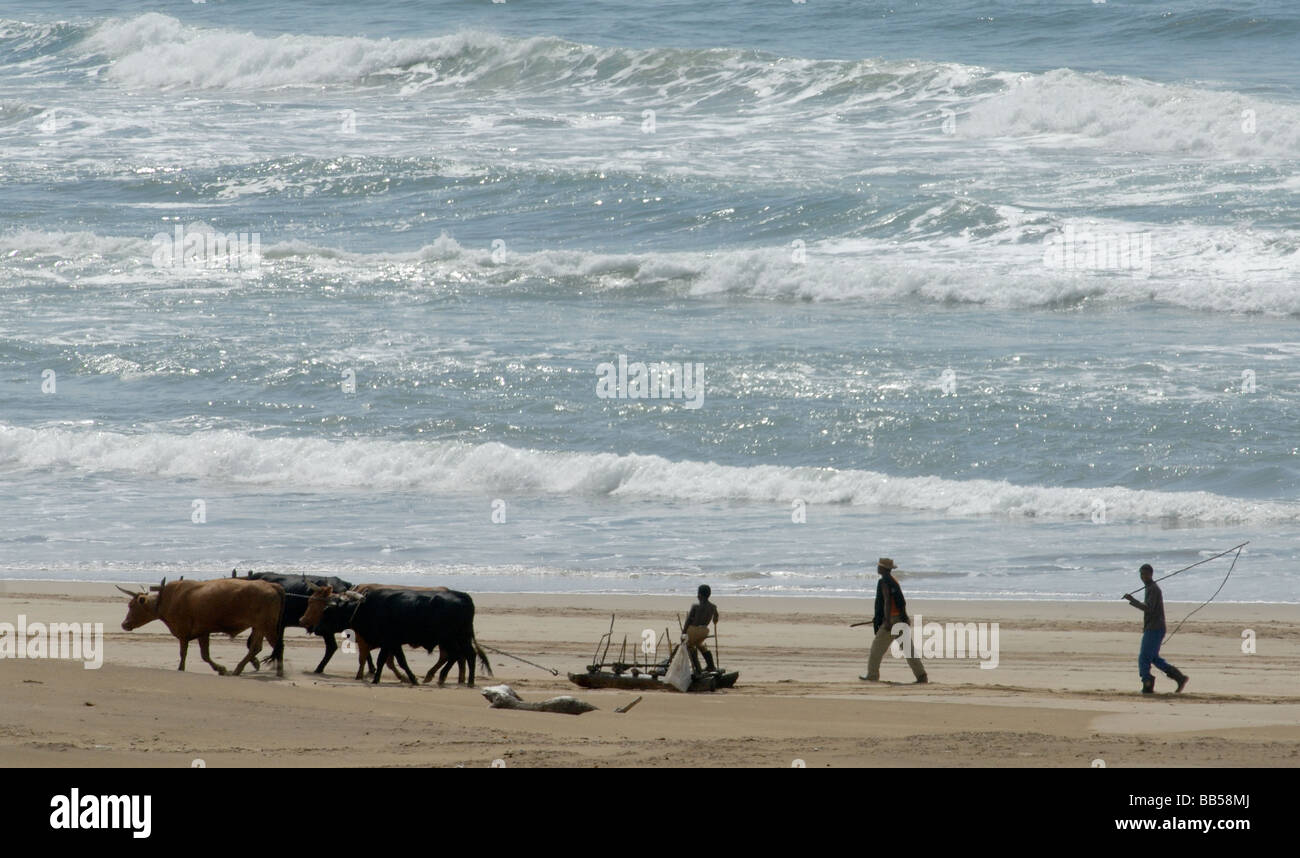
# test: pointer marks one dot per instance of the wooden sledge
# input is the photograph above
(643, 676)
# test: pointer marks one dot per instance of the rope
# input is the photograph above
(1236, 548)
(1216, 592)
(552, 671)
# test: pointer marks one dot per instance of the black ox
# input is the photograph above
(297, 590)
(390, 619)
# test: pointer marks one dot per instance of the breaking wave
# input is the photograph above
(1054, 107)
(1211, 270)
(296, 464)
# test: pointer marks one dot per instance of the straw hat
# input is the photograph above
(886, 563)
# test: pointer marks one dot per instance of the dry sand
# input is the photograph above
(1063, 694)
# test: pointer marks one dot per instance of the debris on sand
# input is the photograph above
(504, 697)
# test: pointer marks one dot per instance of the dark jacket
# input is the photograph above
(1153, 609)
(899, 602)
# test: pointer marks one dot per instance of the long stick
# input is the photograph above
(1194, 565)
(716, 646)
(1207, 601)
(552, 671)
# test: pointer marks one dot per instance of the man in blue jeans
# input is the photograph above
(1153, 634)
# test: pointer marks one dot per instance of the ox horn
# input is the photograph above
(126, 591)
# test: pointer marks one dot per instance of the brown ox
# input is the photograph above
(196, 609)
(320, 598)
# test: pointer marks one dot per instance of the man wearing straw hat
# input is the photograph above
(891, 609)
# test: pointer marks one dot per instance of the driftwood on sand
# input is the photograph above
(504, 697)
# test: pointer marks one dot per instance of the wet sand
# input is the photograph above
(1064, 692)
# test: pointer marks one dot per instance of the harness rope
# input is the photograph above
(552, 671)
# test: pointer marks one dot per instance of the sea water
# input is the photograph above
(1006, 291)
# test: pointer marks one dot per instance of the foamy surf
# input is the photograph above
(290, 464)
(1211, 270)
(1017, 307)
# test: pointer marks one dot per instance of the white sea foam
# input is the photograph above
(1227, 270)
(1121, 114)
(373, 465)
(159, 50)
(1202, 268)
(1059, 107)
(72, 245)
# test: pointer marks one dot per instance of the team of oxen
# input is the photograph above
(382, 619)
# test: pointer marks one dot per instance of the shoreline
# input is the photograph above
(52, 585)
(1064, 692)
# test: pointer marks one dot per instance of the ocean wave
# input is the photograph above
(157, 50)
(1204, 269)
(1122, 114)
(22, 41)
(13, 111)
(297, 464)
(81, 245)
(1049, 108)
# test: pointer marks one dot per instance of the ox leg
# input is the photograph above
(469, 656)
(392, 665)
(185, 648)
(330, 646)
(363, 659)
(277, 652)
(252, 654)
(254, 647)
(203, 651)
(401, 659)
(442, 659)
(446, 669)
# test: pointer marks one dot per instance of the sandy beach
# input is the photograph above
(1064, 692)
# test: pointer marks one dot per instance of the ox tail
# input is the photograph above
(482, 658)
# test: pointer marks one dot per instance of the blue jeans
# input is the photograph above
(1150, 653)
